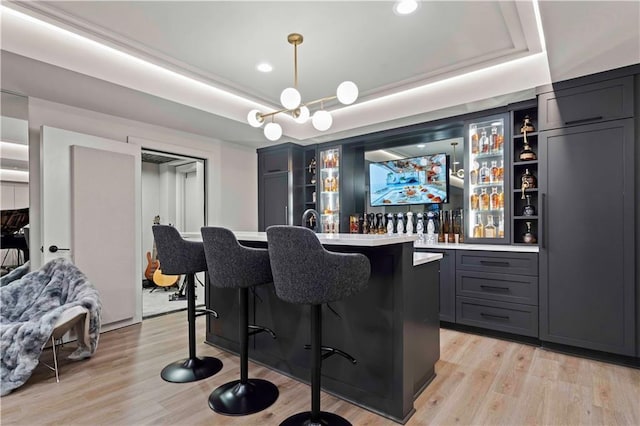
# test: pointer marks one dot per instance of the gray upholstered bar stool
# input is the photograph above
(178, 257)
(304, 272)
(232, 265)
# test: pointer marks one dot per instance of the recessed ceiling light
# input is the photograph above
(264, 67)
(405, 7)
(420, 146)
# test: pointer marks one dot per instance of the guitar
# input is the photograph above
(153, 272)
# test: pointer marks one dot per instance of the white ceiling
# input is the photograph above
(448, 58)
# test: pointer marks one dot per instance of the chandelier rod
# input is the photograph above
(317, 101)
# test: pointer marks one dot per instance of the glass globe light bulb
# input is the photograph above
(290, 98)
(303, 115)
(347, 92)
(322, 120)
(272, 131)
(254, 118)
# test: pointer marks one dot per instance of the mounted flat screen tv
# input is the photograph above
(417, 180)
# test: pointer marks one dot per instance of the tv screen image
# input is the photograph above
(417, 180)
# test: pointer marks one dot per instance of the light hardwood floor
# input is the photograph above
(480, 381)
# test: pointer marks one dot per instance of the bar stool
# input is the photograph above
(178, 257)
(232, 265)
(304, 272)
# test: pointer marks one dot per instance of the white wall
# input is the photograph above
(231, 170)
(238, 188)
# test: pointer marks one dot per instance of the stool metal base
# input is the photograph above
(191, 369)
(304, 419)
(238, 399)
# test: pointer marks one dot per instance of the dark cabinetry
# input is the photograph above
(447, 306)
(280, 200)
(498, 291)
(587, 251)
(589, 103)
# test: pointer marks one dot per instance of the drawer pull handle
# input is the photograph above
(494, 288)
(584, 120)
(494, 263)
(500, 317)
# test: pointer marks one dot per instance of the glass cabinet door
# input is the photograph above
(485, 182)
(329, 183)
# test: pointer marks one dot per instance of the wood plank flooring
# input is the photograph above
(480, 381)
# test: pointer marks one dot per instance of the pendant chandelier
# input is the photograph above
(291, 100)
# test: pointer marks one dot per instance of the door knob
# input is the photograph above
(54, 249)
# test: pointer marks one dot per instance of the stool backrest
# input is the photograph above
(305, 272)
(231, 264)
(176, 255)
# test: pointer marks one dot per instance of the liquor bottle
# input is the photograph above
(528, 236)
(490, 229)
(475, 201)
(431, 227)
(445, 226)
(461, 216)
(478, 229)
(484, 142)
(390, 224)
(409, 223)
(451, 236)
(456, 227)
(441, 227)
(501, 227)
(473, 176)
(528, 209)
(364, 224)
(400, 225)
(485, 173)
(528, 181)
(501, 200)
(420, 227)
(527, 154)
(494, 139)
(473, 129)
(494, 175)
(380, 224)
(501, 171)
(484, 200)
(527, 125)
(494, 199)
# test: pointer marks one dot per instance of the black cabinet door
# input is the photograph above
(587, 254)
(447, 305)
(275, 199)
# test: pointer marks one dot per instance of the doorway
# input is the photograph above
(173, 193)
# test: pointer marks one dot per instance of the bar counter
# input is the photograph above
(391, 328)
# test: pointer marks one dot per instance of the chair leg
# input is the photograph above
(55, 358)
(193, 368)
(244, 396)
(315, 416)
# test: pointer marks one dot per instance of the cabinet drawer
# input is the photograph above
(501, 287)
(498, 262)
(590, 103)
(276, 161)
(500, 316)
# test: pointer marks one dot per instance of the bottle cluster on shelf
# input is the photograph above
(486, 197)
(525, 182)
(330, 190)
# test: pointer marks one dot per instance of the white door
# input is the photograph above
(90, 198)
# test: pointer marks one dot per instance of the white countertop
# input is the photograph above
(359, 240)
(422, 258)
(485, 247)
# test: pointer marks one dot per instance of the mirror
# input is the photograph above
(14, 179)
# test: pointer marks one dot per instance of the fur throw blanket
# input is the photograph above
(30, 307)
